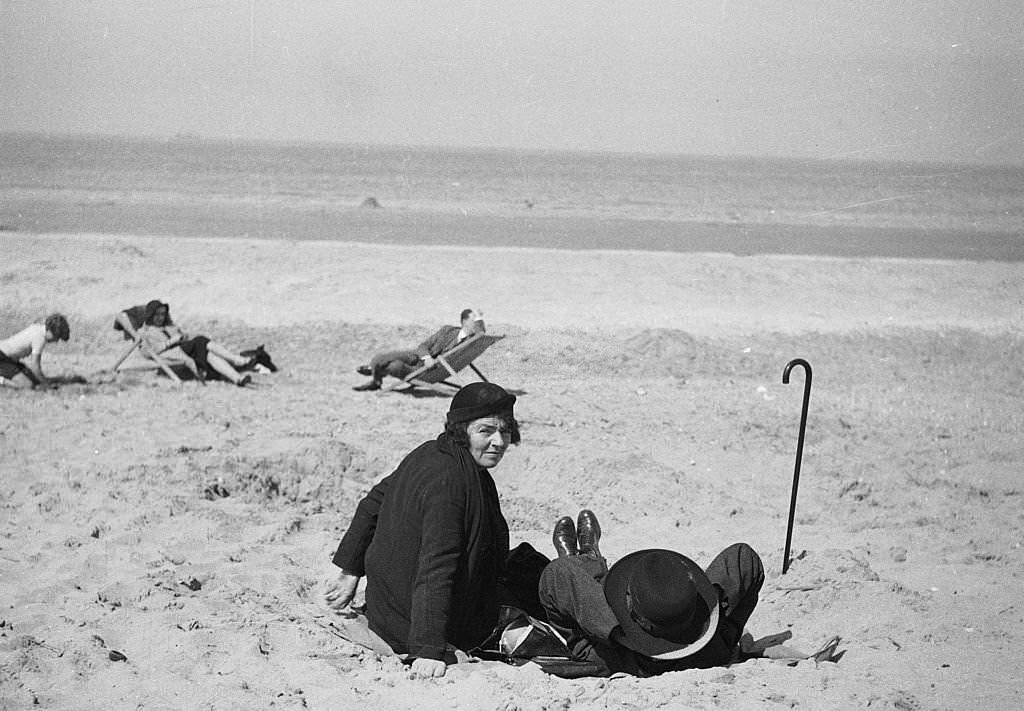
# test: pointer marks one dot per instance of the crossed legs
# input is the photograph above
(571, 591)
(212, 355)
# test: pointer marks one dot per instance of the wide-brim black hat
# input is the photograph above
(660, 574)
(478, 400)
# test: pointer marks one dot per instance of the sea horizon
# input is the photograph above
(189, 137)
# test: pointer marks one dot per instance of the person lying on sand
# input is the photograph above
(399, 363)
(655, 610)
(432, 541)
(30, 342)
(153, 324)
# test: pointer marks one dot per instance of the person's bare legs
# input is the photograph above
(18, 382)
(224, 368)
(222, 352)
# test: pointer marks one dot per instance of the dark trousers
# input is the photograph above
(397, 364)
(572, 594)
(9, 367)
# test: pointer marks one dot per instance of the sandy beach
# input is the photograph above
(649, 390)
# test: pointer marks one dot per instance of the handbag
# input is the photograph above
(519, 638)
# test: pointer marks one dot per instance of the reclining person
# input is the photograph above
(30, 342)
(399, 363)
(153, 324)
(654, 610)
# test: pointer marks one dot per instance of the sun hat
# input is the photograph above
(665, 604)
(480, 400)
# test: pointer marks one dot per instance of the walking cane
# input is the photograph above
(799, 450)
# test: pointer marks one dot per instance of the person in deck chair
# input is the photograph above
(154, 325)
(399, 363)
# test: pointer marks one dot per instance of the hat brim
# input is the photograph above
(487, 400)
(636, 637)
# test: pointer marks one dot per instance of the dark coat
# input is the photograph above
(431, 540)
(446, 338)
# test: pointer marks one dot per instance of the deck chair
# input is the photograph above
(138, 344)
(449, 363)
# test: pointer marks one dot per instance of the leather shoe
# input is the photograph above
(564, 537)
(365, 370)
(372, 385)
(589, 533)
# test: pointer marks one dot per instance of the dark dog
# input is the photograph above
(259, 361)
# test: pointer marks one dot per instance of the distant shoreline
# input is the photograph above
(213, 140)
(416, 228)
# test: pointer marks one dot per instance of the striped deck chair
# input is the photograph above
(449, 363)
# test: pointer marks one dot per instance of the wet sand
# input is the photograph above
(515, 226)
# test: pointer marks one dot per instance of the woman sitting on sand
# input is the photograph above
(153, 324)
(433, 543)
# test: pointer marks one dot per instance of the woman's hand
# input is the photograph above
(159, 339)
(427, 668)
(340, 592)
(174, 335)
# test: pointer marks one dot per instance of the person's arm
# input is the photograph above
(437, 344)
(350, 555)
(35, 359)
(340, 592)
(174, 336)
(423, 668)
(442, 547)
(158, 339)
(125, 322)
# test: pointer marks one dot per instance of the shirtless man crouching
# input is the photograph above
(29, 343)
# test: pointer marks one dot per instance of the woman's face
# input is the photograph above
(489, 437)
(160, 316)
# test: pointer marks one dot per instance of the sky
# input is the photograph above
(849, 79)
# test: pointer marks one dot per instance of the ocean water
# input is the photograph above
(513, 198)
